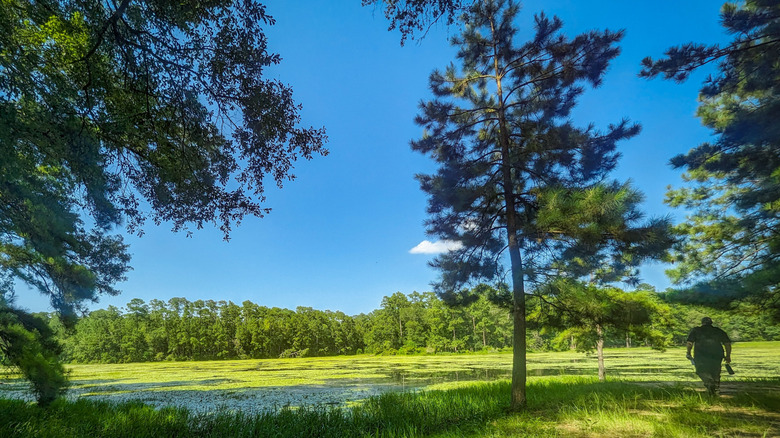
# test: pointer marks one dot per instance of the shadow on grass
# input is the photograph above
(592, 409)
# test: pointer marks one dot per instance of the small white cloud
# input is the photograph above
(439, 247)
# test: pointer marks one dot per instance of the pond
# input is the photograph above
(267, 384)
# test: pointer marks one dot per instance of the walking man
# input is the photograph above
(710, 346)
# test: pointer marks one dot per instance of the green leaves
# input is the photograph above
(511, 162)
(730, 238)
(577, 308)
(600, 231)
(107, 108)
(28, 345)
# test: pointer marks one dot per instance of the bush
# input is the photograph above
(28, 345)
(291, 352)
(411, 350)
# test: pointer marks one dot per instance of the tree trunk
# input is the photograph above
(454, 343)
(518, 343)
(484, 337)
(628, 340)
(401, 329)
(473, 332)
(512, 227)
(600, 352)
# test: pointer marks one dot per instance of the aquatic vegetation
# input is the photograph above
(253, 386)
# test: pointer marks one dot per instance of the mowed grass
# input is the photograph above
(647, 394)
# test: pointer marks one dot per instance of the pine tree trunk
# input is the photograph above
(600, 352)
(473, 331)
(512, 227)
(518, 343)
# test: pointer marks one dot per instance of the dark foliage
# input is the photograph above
(29, 346)
(730, 246)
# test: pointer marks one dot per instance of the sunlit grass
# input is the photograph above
(621, 409)
(558, 406)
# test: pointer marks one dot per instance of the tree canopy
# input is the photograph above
(116, 113)
(731, 235)
(412, 17)
(119, 113)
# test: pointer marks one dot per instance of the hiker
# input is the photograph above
(710, 346)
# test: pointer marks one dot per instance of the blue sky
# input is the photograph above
(339, 236)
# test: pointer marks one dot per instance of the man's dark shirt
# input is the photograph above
(708, 342)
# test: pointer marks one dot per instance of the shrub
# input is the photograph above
(28, 345)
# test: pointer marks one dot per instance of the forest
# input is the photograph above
(417, 323)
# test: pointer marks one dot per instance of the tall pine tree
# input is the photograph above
(499, 128)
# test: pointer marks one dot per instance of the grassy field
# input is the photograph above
(648, 393)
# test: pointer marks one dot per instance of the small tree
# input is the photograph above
(587, 312)
(29, 345)
(602, 239)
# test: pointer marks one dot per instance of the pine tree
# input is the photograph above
(731, 245)
(499, 129)
(586, 312)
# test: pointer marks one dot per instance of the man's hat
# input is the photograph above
(706, 321)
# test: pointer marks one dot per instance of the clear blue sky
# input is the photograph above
(339, 236)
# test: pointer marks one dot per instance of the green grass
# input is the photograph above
(648, 394)
(558, 406)
(623, 409)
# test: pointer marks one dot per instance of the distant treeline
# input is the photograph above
(404, 324)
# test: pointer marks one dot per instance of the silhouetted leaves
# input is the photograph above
(120, 113)
(730, 242)
(417, 16)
